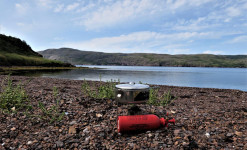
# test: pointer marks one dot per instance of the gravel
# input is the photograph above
(205, 119)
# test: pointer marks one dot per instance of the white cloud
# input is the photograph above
(178, 51)
(45, 3)
(233, 12)
(120, 12)
(72, 6)
(239, 39)
(197, 24)
(138, 42)
(21, 24)
(59, 8)
(177, 4)
(21, 8)
(129, 10)
(27, 26)
(86, 8)
(213, 52)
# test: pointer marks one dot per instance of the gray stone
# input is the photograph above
(59, 143)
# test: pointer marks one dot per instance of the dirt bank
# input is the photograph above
(205, 119)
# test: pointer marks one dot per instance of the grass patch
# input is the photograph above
(14, 59)
(13, 98)
(52, 114)
(163, 100)
(105, 90)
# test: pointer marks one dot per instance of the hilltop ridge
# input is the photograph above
(78, 57)
(16, 52)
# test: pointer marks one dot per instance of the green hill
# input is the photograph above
(77, 57)
(15, 52)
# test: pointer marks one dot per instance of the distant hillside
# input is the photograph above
(143, 59)
(15, 52)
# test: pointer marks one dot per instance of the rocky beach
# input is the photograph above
(205, 119)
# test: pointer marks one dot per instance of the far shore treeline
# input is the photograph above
(78, 57)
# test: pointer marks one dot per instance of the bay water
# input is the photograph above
(223, 78)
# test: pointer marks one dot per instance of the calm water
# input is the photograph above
(226, 78)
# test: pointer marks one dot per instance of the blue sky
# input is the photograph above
(128, 26)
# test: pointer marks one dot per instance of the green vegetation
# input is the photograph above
(143, 59)
(12, 59)
(163, 100)
(106, 90)
(13, 98)
(53, 113)
(15, 52)
(153, 97)
(9, 44)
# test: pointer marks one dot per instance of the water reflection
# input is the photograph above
(226, 78)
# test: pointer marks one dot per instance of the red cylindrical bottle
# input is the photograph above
(141, 122)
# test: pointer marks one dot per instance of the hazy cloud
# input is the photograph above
(72, 6)
(120, 12)
(239, 39)
(176, 4)
(161, 26)
(213, 52)
(59, 8)
(86, 7)
(45, 3)
(21, 8)
(138, 42)
(233, 12)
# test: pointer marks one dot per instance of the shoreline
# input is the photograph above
(5, 70)
(213, 118)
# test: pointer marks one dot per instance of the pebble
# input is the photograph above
(176, 132)
(95, 126)
(240, 134)
(13, 129)
(72, 122)
(29, 142)
(72, 130)
(87, 139)
(131, 144)
(86, 131)
(99, 115)
(169, 142)
(207, 135)
(59, 143)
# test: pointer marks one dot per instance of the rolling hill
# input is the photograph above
(78, 57)
(15, 52)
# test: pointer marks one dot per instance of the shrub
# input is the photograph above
(53, 113)
(13, 98)
(106, 90)
(155, 100)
